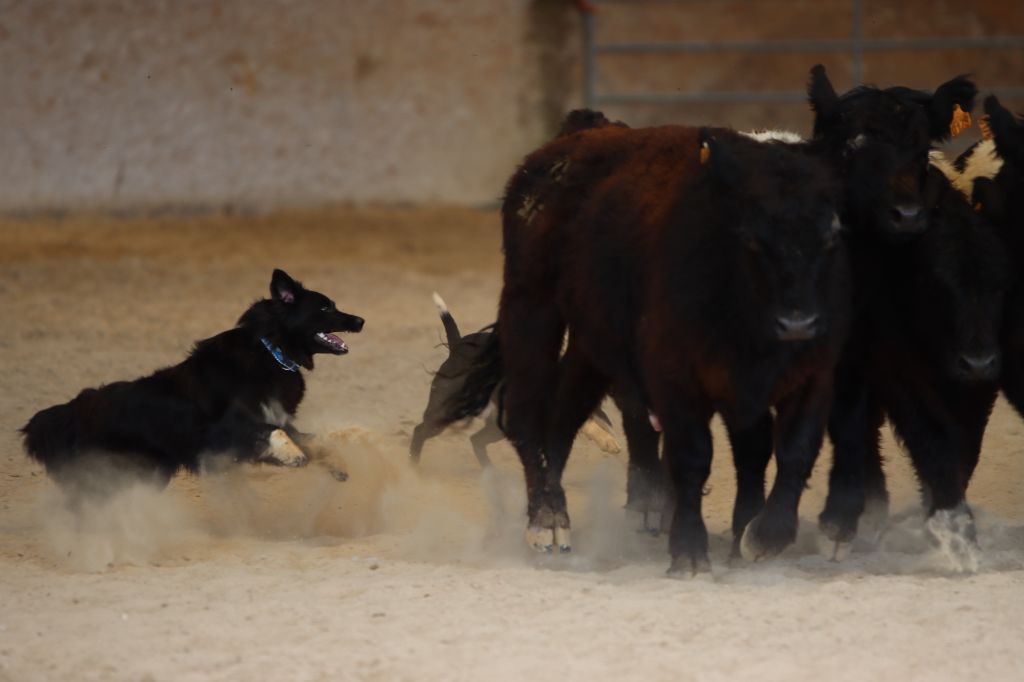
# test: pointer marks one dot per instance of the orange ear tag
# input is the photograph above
(986, 131)
(977, 206)
(961, 121)
(705, 153)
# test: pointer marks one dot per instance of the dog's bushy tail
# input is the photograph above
(50, 435)
(482, 378)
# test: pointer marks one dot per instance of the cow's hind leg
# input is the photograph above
(531, 331)
(646, 482)
(580, 390)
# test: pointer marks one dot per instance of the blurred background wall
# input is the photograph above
(133, 104)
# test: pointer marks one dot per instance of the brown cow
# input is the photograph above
(695, 268)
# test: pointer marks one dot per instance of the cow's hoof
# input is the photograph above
(763, 541)
(954, 534)
(688, 567)
(834, 541)
(563, 540)
(593, 430)
(874, 521)
(549, 531)
(832, 549)
(647, 513)
(541, 539)
(337, 474)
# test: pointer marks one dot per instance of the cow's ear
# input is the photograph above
(823, 98)
(961, 92)
(1007, 132)
(282, 287)
(716, 157)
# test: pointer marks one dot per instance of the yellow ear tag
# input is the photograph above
(986, 131)
(961, 121)
(705, 153)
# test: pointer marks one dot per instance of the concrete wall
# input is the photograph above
(125, 104)
(138, 103)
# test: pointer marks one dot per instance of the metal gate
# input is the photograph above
(855, 47)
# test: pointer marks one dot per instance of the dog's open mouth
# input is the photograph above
(333, 342)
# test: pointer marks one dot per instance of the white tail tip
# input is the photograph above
(439, 302)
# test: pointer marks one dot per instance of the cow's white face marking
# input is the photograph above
(274, 413)
(938, 160)
(982, 163)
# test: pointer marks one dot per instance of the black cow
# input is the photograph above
(924, 352)
(1001, 200)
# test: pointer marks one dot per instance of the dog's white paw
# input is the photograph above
(601, 437)
(284, 451)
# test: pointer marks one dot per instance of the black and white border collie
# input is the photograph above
(236, 393)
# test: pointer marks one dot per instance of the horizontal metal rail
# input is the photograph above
(736, 96)
(835, 45)
(856, 47)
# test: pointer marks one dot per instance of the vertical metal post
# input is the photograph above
(857, 69)
(589, 65)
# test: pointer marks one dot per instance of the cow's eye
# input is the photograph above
(326, 309)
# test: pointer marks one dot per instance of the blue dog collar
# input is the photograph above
(286, 362)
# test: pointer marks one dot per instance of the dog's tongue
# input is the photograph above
(333, 340)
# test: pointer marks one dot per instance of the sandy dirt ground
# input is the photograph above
(267, 574)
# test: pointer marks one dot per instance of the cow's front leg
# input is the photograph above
(799, 432)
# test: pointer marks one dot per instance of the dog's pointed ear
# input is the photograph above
(958, 91)
(823, 98)
(283, 287)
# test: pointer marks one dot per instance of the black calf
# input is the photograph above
(1001, 200)
(924, 352)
